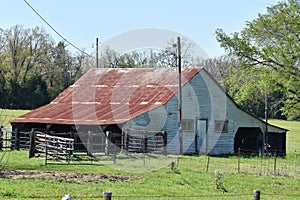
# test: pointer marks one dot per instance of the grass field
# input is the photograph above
(293, 135)
(7, 115)
(188, 181)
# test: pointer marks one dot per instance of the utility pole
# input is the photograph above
(266, 139)
(179, 97)
(97, 54)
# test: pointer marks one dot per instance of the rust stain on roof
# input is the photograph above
(111, 96)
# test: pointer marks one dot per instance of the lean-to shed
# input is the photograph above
(133, 100)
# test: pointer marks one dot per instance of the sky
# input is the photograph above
(82, 21)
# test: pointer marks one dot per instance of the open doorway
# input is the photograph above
(248, 140)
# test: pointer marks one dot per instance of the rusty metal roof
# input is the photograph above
(110, 96)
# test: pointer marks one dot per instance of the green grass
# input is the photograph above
(8, 115)
(293, 135)
(189, 181)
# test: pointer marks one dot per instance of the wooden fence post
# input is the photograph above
(165, 142)
(107, 139)
(17, 139)
(32, 144)
(1, 138)
(172, 166)
(239, 160)
(46, 151)
(256, 195)
(275, 163)
(88, 143)
(107, 195)
(115, 154)
(207, 165)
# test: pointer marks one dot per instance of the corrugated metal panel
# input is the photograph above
(110, 96)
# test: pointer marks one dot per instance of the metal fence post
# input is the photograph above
(107, 195)
(256, 195)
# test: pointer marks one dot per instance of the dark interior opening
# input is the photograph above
(248, 140)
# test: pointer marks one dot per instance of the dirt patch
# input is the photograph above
(68, 177)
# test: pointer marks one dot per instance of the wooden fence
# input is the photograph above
(20, 139)
(4, 138)
(62, 148)
(146, 141)
(53, 147)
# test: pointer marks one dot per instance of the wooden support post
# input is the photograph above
(88, 143)
(144, 147)
(275, 163)
(256, 195)
(239, 160)
(165, 142)
(32, 144)
(108, 134)
(46, 152)
(1, 138)
(126, 142)
(107, 195)
(17, 139)
(115, 154)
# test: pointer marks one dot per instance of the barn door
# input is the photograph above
(201, 134)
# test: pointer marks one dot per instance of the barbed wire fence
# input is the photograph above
(260, 165)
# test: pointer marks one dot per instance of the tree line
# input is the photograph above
(33, 69)
(263, 60)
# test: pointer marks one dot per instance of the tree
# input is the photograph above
(62, 71)
(271, 41)
(244, 86)
(23, 53)
(219, 68)
(150, 57)
(33, 70)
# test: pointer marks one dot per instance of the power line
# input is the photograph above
(44, 20)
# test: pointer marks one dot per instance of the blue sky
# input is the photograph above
(81, 21)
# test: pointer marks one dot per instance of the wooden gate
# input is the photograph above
(53, 147)
(5, 138)
(142, 141)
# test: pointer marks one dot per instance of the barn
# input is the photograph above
(140, 106)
